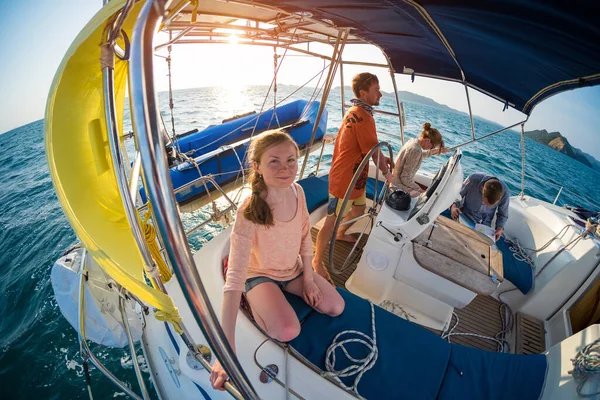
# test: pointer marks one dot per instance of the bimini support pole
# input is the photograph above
(400, 109)
(523, 160)
(469, 105)
(342, 89)
(146, 118)
(336, 59)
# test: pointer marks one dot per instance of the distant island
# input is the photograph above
(560, 143)
(415, 98)
(403, 95)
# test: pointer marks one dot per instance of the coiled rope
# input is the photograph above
(150, 236)
(585, 364)
(361, 365)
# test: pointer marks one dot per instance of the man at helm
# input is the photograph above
(356, 137)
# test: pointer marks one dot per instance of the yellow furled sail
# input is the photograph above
(80, 161)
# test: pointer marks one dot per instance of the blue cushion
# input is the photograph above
(477, 374)
(411, 362)
(316, 191)
(519, 273)
(371, 188)
(299, 305)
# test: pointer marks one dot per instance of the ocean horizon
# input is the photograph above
(39, 351)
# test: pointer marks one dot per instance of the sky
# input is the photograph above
(35, 35)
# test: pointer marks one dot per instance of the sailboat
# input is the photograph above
(413, 275)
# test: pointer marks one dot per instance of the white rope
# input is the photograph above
(520, 252)
(361, 365)
(499, 338)
(586, 364)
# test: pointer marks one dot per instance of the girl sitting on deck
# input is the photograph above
(271, 249)
(429, 143)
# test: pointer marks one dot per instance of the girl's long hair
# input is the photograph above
(258, 210)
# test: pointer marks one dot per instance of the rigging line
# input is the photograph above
(240, 189)
(323, 140)
(315, 94)
(193, 162)
(278, 103)
(275, 56)
(116, 28)
(274, 80)
(251, 120)
(306, 83)
(568, 246)
(271, 85)
(336, 61)
(519, 251)
(175, 140)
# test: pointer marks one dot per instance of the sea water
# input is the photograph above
(39, 352)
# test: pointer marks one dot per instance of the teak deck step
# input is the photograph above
(342, 249)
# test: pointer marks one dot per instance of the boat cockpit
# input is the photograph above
(438, 309)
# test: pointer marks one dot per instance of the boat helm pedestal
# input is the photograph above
(388, 272)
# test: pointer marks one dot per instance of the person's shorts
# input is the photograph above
(334, 206)
(257, 280)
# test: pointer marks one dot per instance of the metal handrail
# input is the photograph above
(336, 59)
(401, 117)
(84, 349)
(136, 365)
(159, 190)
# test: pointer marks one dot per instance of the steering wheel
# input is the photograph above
(447, 168)
(369, 216)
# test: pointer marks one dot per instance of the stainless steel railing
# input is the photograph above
(157, 181)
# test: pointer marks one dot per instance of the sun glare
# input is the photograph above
(233, 39)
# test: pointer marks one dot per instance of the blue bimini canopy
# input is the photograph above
(517, 51)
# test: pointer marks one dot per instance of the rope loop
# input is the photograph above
(361, 365)
(585, 365)
(150, 236)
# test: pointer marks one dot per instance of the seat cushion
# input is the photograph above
(371, 188)
(316, 191)
(518, 272)
(475, 374)
(414, 363)
(412, 360)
